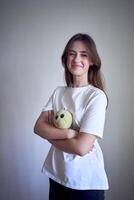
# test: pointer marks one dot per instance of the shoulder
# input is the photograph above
(59, 90)
(97, 95)
(96, 91)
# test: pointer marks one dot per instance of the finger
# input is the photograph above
(92, 148)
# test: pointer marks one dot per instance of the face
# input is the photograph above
(78, 60)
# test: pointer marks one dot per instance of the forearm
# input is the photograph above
(74, 145)
(48, 131)
(67, 145)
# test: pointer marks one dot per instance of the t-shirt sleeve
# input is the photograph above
(94, 116)
(49, 105)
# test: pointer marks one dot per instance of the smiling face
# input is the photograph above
(78, 61)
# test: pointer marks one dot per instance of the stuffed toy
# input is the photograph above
(63, 119)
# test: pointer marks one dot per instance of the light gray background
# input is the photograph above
(32, 37)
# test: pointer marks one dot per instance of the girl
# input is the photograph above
(74, 163)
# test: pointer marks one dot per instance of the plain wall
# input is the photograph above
(32, 37)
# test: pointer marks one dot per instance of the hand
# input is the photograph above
(91, 149)
(71, 133)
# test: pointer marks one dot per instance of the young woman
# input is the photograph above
(74, 164)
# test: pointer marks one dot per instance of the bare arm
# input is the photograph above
(45, 129)
(63, 139)
(82, 144)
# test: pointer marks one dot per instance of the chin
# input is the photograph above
(76, 71)
(77, 74)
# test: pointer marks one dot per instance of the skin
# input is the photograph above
(45, 128)
(68, 140)
(78, 63)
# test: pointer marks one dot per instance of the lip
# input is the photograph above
(75, 65)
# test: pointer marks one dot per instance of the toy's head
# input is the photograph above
(63, 119)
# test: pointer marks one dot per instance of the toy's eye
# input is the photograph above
(56, 117)
(62, 115)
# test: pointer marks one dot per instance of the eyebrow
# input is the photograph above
(71, 50)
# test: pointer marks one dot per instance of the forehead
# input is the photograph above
(78, 46)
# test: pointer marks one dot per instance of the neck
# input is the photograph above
(78, 82)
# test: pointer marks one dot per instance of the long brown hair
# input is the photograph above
(94, 72)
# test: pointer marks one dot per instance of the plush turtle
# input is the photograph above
(63, 119)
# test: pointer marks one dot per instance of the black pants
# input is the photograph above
(59, 192)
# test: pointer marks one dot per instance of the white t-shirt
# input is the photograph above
(88, 106)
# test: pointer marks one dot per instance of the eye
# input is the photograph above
(62, 115)
(71, 54)
(84, 55)
(56, 117)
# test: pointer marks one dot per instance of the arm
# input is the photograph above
(45, 129)
(91, 128)
(82, 144)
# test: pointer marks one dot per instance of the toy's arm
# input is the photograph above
(82, 144)
(45, 129)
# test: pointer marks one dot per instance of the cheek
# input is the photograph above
(89, 62)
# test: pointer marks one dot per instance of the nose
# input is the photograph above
(77, 58)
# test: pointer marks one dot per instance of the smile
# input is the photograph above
(75, 65)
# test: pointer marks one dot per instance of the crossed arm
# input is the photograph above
(67, 140)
